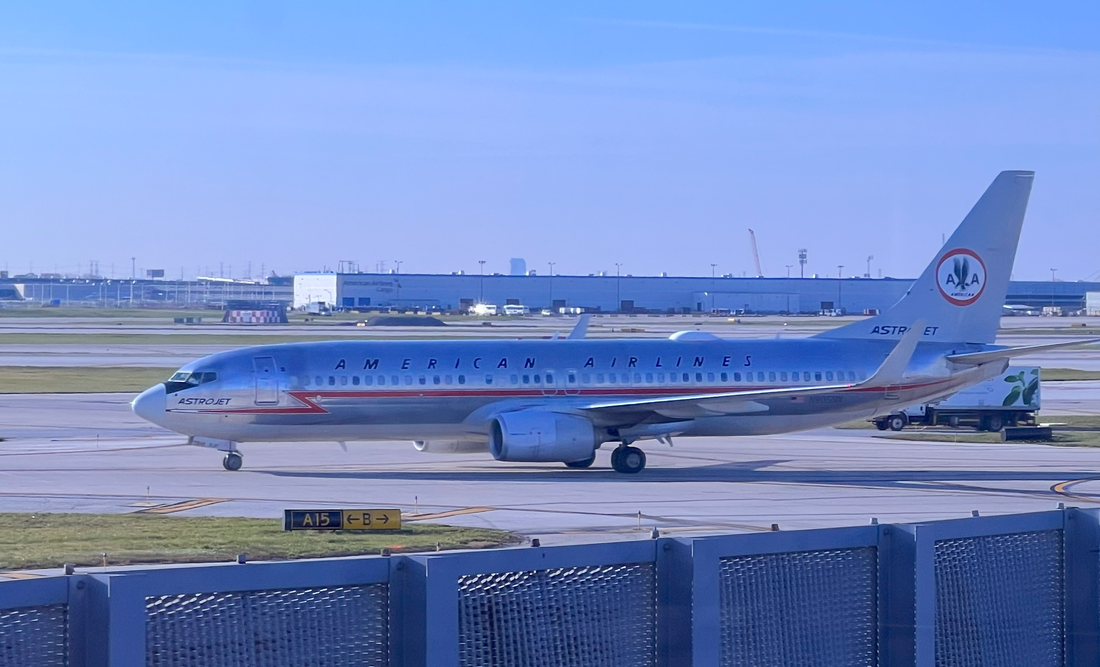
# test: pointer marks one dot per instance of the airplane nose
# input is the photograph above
(151, 404)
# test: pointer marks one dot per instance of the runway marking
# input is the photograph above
(182, 506)
(1062, 488)
(20, 575)
(444, 515)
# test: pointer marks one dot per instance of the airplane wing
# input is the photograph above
(581, 329)
(891, 372)
(979, 358)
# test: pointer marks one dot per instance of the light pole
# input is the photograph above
(398, 263)
(869, 258)
(551, 286)
(802, 262)
(618, 299)
(839, 288)
(481, 289)
(712, 266)
(1052, 288)
(789, 267)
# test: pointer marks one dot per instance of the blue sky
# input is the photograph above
(294, 135)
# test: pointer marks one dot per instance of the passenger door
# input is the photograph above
(267, 381)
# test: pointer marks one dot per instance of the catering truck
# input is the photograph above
(1010, 399)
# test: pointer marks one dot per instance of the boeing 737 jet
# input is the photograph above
(561, 400)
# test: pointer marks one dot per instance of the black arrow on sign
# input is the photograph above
(385, 518)
(352, 518)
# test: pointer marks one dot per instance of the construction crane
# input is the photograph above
(755, 254)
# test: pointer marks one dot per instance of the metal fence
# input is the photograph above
(1005, 590)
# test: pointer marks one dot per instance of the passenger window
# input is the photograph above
(515, 379)
(381, 379)
(783, 376)
(672, 377)
(686, 378)
(526, 379)
(305, 381)
(660, 377)
(549, 379)
(760, 376)
(319, 381)
(572, 378)
(488, 379)
(698, 377)
(462, 379)
(343, 380)
(435, 379)
(368, 380)
(771, 376)
(828, 376)
(355, 380)
(626, 378)
(736, 377)
(806, 376)
(725, 377)
(851, 376)
(586, 378)
(649, 377)
(817, 376)
(394, 380)
(710, 377)
(447, 379)
(637, 378)
(331, 381)
(538, 380)
(612, 378)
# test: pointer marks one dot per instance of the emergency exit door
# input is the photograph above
(267, 381)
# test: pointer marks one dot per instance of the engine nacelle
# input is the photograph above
(540, 435)
(451, 446)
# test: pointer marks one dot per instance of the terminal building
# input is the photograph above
(643, 294)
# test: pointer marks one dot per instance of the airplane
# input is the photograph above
(559, 400)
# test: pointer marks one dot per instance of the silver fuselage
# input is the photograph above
(431, 390)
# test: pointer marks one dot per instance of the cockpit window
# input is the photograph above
(185, 380)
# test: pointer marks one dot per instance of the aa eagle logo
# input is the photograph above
(960, 275)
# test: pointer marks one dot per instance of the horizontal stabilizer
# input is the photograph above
(979, 358)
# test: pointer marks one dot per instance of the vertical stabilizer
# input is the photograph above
(962, 292)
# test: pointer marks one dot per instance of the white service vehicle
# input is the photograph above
(484, 309)
(1010, 399)
(516, 309)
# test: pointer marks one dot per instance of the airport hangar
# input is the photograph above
(639, 294)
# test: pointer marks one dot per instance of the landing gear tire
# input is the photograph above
(586, 463)
(628, 460)
(881, 424)
(896, 422)
(232, 461)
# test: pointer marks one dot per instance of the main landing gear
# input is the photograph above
(585, 463)
(627, 459)
(233, 461)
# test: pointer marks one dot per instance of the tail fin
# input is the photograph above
(962, 292)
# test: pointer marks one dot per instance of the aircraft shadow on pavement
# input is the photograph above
(741, 472)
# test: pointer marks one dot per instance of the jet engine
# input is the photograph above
(450, 446)
(540, 435)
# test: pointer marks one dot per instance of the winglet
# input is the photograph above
(581, 328)
(893, 369)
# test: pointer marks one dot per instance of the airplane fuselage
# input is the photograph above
(429, 390)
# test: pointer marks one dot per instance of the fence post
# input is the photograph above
(675, 575)
(897, 596)
(1082, 540)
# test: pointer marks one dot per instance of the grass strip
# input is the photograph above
(77, 379)
(38, 541)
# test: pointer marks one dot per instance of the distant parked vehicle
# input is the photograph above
(516, 309)
(1010, 399)
(483, 309)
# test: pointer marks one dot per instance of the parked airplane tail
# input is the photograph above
(961, 293)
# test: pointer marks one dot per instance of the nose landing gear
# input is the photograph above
(233, 461)
(628, 460)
